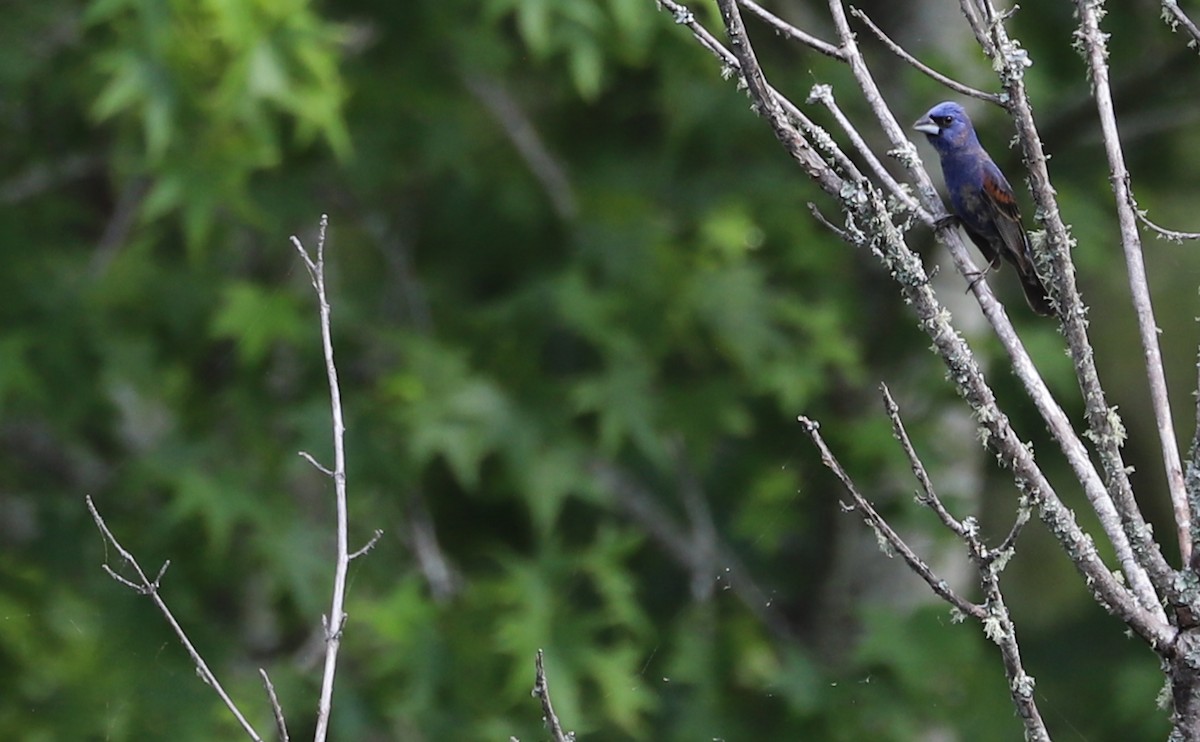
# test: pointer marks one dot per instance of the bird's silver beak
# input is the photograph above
(925, 125)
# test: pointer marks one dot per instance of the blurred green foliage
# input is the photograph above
(573, 277)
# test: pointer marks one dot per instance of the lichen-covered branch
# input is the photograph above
(884, 533)
(1093, 45)
(993, 613)
(541, 689)
(1137, 549)
(1177, 19)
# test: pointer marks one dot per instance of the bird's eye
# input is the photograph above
(942, 120)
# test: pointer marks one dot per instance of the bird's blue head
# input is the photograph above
(948, 127)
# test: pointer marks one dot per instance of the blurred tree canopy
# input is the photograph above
(578, 303)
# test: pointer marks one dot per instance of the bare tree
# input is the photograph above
(1158, 602)
(335, 622)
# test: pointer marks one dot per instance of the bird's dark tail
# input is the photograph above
(1035, 292)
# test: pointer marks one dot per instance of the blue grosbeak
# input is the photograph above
(982, 198)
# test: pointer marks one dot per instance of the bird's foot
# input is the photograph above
(947, 221)
(975, 277)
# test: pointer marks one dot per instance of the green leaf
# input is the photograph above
(533, 21)
(450, 413)
(587, 67)
(258, 318)
(622, 400)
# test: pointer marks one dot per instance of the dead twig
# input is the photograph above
(148, 587)
(541, 690)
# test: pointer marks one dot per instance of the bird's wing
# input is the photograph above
(999, 198)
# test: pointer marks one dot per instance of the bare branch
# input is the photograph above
(1023, 513)
(541, 690)
(788, 31)
(1164, 233)
(280, 723)
(369, 545)
(928, 496)
(127, 583)
(869, 225)
(1096, 53)
(308, 457)
(899, 51)
(872, 224)
(823, 94)
(1176, 18)
(1161, 233)
(149, 587)
(1192, 479)
(994, 614)
(999, 627)
(529, 145)
(1057, 421)
(816, 212)
(1140, 556)
(336, 620)
(884, 531)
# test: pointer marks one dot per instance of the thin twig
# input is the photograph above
(823, 94)
(999, 627)
(788, 31)
(1023, 513)
(928, 497)
(1164, 233)
(993, 614)
(517, 126)
(1160, 232)
(884, 531)
(308, 457)
(801, 149)
(336, 620)
(816, 212)
(280, 722)
(1096, 54)
(369, 545)
(149, 587)
(899, 51)
(541, 690)
(1176, 17)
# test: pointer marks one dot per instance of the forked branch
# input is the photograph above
(148, 587)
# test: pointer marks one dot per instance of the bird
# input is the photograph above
(982, 199)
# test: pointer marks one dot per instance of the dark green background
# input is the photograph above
(506, 350)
